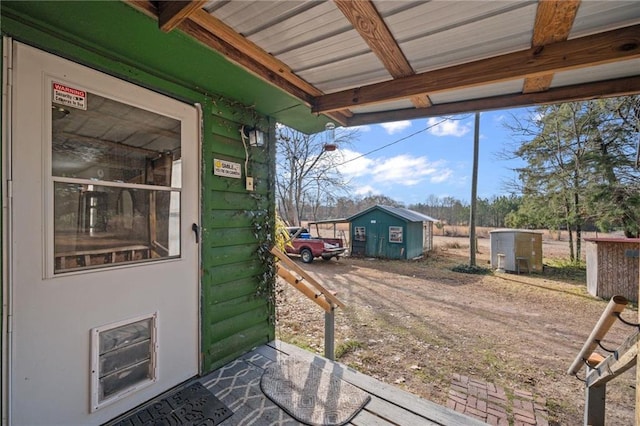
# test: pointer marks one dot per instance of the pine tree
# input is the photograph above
(580, 167)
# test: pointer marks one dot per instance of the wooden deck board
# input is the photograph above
(237, 384)
(396, 414)
(394, 396)
(366, 418)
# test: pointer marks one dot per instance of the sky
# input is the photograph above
(436, 161)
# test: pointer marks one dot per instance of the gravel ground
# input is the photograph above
(416, 324)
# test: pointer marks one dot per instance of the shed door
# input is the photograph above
(375, 239)
(103, 268)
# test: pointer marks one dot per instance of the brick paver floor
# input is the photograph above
(494, 405)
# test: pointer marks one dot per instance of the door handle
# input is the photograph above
(196, 230)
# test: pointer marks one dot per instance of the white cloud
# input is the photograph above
(447, 127)
(353, 165)
(364, 128)
(366, 190)
(403, 170)
(396, 126)
(441, 176)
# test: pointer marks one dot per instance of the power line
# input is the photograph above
(399, 140)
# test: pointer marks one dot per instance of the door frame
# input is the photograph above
(5, 175)
(6, 193)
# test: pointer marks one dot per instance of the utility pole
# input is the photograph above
(474, 193)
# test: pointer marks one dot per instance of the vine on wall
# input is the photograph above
(264, 233)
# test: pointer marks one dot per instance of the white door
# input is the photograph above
(103, 262)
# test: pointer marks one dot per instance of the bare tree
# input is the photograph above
(307, 174)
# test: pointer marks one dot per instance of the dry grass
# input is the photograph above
(342, 230)
(518, 331)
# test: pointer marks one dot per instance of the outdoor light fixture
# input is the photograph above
(256, 137)
(330, 144)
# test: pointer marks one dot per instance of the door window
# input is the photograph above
(116, 173)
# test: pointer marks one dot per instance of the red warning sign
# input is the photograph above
(69, 96)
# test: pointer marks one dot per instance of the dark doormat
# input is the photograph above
(194, 405)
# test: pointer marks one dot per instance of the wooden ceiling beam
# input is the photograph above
(232, 53)
(246, 47)
(250, 64)
(225, 37)
(606, 47)
(579, 92)
(218, 36)
(554, 19)
(366, 19)
(172, 13)
(257, 60)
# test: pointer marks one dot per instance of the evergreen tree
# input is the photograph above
(580, 167)
(614, 187)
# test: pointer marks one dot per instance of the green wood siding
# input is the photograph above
(413, 239)
(125, 42)
(237, 273)
(377, 235)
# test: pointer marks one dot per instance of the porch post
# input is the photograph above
(329, 316)
(594, 404)
(638, 369)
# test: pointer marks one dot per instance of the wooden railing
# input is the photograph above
(310, 287)
(600, 369)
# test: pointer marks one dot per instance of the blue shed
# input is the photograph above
(390, 232)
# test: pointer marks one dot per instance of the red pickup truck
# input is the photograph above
(308, 247)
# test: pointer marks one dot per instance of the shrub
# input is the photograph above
(468, 269)
(346, 347)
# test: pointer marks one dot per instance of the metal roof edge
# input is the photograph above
(394, 212)
(613, 240)
(502, 230)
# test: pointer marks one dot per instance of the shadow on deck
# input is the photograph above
(237, 384)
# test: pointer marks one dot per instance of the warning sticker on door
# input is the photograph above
(68, 96)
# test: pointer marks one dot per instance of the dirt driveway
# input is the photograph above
(415, 324)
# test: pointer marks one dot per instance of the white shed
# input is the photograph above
(516, 250)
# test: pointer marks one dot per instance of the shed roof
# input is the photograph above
(325, 221)
(400, 212)
(370, 61)
(509, 230)
(613, 240)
